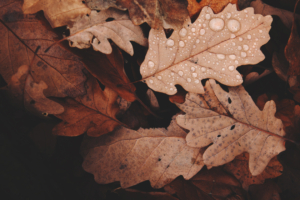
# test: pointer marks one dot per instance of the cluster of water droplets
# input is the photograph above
(212, 47)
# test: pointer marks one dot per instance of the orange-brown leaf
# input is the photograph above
(93, 113)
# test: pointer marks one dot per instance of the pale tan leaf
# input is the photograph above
(94, 31)
(131, 157)
(211, 47)
(57, 12)
(242, 128)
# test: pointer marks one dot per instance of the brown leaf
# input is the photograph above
(233, 123)
(102, 4)
(168, 13)
(28, 94)
(212, 47)
(109, 70)
(131, 157)
(57, 12)
(213, 184)
(292, 49)
(239, 168)
(20, 35)
(267, 191)
(217, 6)
(94, 30)
(93, 113)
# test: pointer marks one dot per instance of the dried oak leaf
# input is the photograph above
(168, 13)
(212, 47)
(20, 35)
(267, 191)
(138, 195)
(102, 4)
(25, 92)
(213, 184)
(292, 50)
(239, 168)
(94, 30)
(194, 6)
(57, 12)
(233, 123)
(93, 113)
(131, 157)
(109, 70)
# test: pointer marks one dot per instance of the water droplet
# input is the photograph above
(239, 48)
(233, 44)
(236, 62)
(172, 73)
(245, 11)
(181, 44)
(188, 80)
(202, 32)
(189, 37)
(233, 25)
(180, 73)
(207, 16)
(223, 69)
(260, 31)
(182, 32)
(159, 77)
(221, 56)
(194, 46)
(216, 24)
(153, 42)
(193, 30)
(196, 81)
(243, 54)
(231, 68)
(194, 75)
(245, 47)
(232, 36)
(228, 15)
(232, 57)
(240, 39)
(197, 41)
(203, 69)
(150, 64)
(193, 69)
(170, 42)
(249, 37)
(151, 81)
(238, 76)
(203, 41)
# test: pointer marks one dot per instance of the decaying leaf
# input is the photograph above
(131, 157)
(217, 6)
(94, 30)
(233, 123)
(57, 12)
(267, 191)
(212, 47)
(239, 168)
(109, 70)
(93, 113)
(168, 13)
(59, 69)
(292, 50)
(102, 4)
(25, 92)
(213, 184)
(138, 195)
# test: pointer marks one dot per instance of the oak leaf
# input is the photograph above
(211, 47)
(93, 113)
(57, 12)
(21, 35)
(166, 13)
(233, 123)
(28, 94)
(213, 184)
(239, 168)
(131, 157)
(94, 30)
(102, 4)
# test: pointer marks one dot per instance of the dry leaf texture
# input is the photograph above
(94, 30)
(233, 123)
(93, 113)
(131, 157)
(57, 12)
(212, 47)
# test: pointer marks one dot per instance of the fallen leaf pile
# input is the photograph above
(199, 99)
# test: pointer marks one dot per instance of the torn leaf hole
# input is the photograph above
(232, 127)
(229, 100)
(110, 19)
(219, 136)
